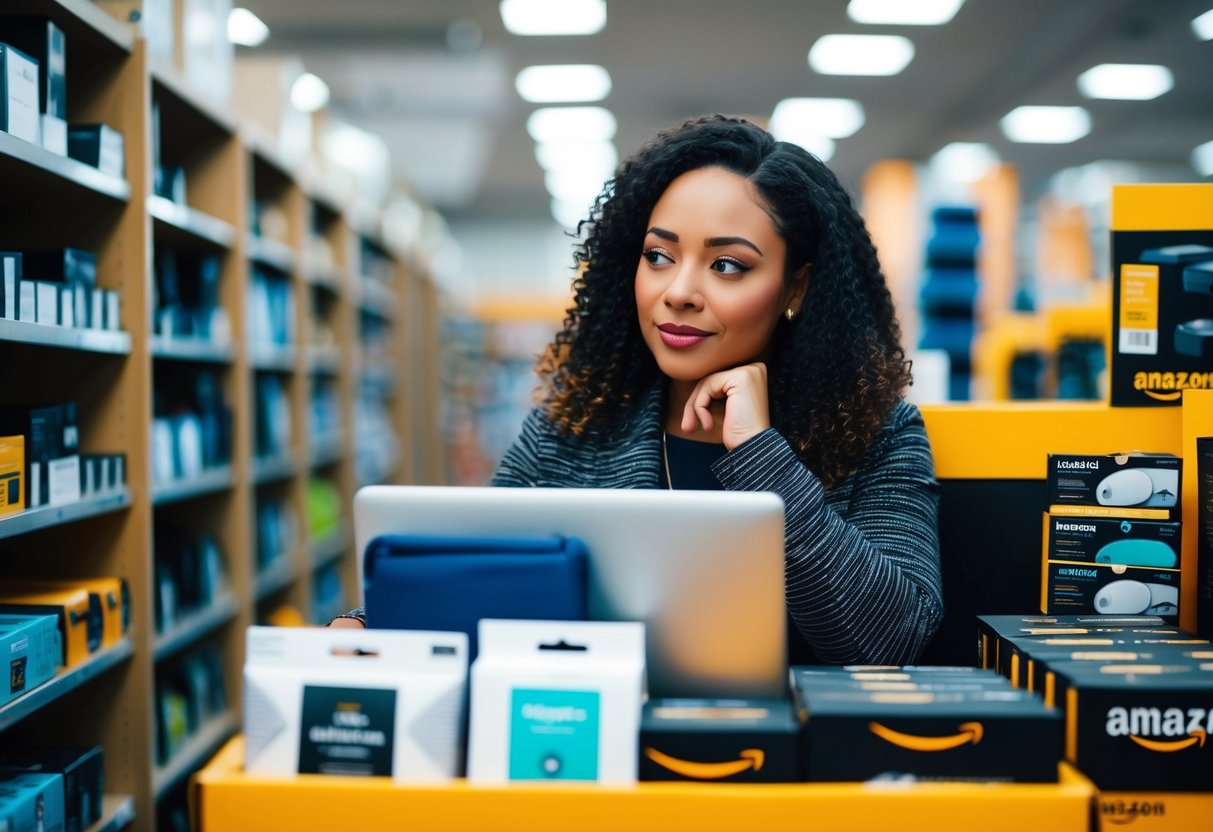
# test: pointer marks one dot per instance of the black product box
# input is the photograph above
(44, 42)
(992, 630)
(1116, 541)
(1129, 480)
(719, 740)
(10, 285)
(83, 779)
(74, 268)
(1117, 590)
(1162, 316)
(994, 734)
(1139, 727)
(98, 145)
(19, 94)
(1204, 536)
(1164, 652)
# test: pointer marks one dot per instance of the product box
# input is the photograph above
(354, 702)
(720, 740)
(556, 700)
(1204, 536)
(18, 94)
(76, 272)
(111, 596)
(31, 802)
(31, 648)
(45, 44)
(78, 613)
(995, 733)
(54, 134)
(1162, 312)
(12, 474)
(1114, 541)
(1153, 811)
(1128, 480)
(1139, 726)
(97, 145)
(83, 779)
(1042, 678)
(10, 284)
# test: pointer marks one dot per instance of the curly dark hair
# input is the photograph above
(835, 372)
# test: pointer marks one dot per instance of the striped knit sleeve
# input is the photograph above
(520, 465)
(866, 589)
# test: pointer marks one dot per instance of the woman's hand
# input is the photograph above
(746, 411)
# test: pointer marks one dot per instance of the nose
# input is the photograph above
(683, 290)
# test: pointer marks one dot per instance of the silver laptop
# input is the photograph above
(702, 569)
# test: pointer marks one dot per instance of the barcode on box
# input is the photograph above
(1139, 341)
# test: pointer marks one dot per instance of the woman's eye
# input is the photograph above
(727, 265)
(657, 257)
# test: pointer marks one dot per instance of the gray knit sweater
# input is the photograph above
(863, 579)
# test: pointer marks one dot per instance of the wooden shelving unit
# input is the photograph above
(245, 213)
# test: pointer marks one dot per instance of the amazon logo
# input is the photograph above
(1168, 386)
(1163, 730)
(749, 759)
(970, 733)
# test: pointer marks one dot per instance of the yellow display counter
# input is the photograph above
(226, 798)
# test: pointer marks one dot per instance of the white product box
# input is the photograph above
(556, 700)
(47, 309)
(19, 94)
(54, 134)
(63, 485)
(354, 702)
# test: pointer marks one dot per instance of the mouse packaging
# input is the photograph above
(1132, 480)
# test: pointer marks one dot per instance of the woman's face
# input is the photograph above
(709, 286)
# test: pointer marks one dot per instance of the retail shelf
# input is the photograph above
(79, 18)
(323, 276)
(117, 812)
(377, 299)
(329, 548)
(272, 468)
(182, 219)
(209, 481)
(44, 517)
(323, 359)
(169, 79)
(272, 253)
(278, 575)
(326, 448)
(193, 626)
(191, 349)
(64, 337)
(380, 376)
(15, 152)
(194, 754)
(67, 680)
(277, 358)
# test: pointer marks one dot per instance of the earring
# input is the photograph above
(789, 314)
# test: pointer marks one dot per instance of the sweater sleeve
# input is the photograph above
(865, 589)
(519, 467)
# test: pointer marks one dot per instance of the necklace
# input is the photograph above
(665, 458)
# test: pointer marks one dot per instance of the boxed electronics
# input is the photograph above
(44, 43)
(99, 146)
(993, 630)
(19, 94)
(1162, 308)
(12, 474)
(1110, 565)
(1159, 652)
(1204, 536)
(32, 648)
(10, 284)
(1128, 480)
(1018, 655)
(52, 441)
(983, 732)
(78, 614)
(31, 802)
(1139, 726)
(720, 740)
(83, 779)
(556, 700)
(75, 272)
(110, 597)
(354, 702)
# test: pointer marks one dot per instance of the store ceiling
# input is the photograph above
(456, 127)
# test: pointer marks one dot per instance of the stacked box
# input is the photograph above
(32, 647)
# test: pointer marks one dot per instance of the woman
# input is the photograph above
(731, 329)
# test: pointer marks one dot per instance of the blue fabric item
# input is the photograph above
(422, 582)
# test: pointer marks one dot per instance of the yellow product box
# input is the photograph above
(1154, 811)
(110, 598)
(12, 474)
(79, 615)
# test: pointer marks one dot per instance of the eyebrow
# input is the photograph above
(710, 242)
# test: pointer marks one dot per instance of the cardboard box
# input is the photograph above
(995, 733)
(12, 474)
(1127, 480)
(32, 647)
(1162, 324)
(720, 740)
(78, 614)
(31, 802)
(354, 702)
(18, 94)
(83, 779)
(1204, 536)
(556, 700)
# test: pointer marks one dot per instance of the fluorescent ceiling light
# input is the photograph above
(568, 213)
(309, 93)
(553, 17)
(1202, 26)
(1130, 82)
(580, 185)
(563, 83)
(563, 155)
(1046, 125)
(1202, 159)
(571, 124)
(820, 146)
(963, 161)
(245, 28)
(861, 54)
(835, 118)
(903, 12)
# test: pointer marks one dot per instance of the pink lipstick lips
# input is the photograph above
(678, 336)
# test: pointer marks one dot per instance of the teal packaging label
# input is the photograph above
(16, 675)
(553, 735)
(347, 731)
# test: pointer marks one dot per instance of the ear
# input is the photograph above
(797, 289)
